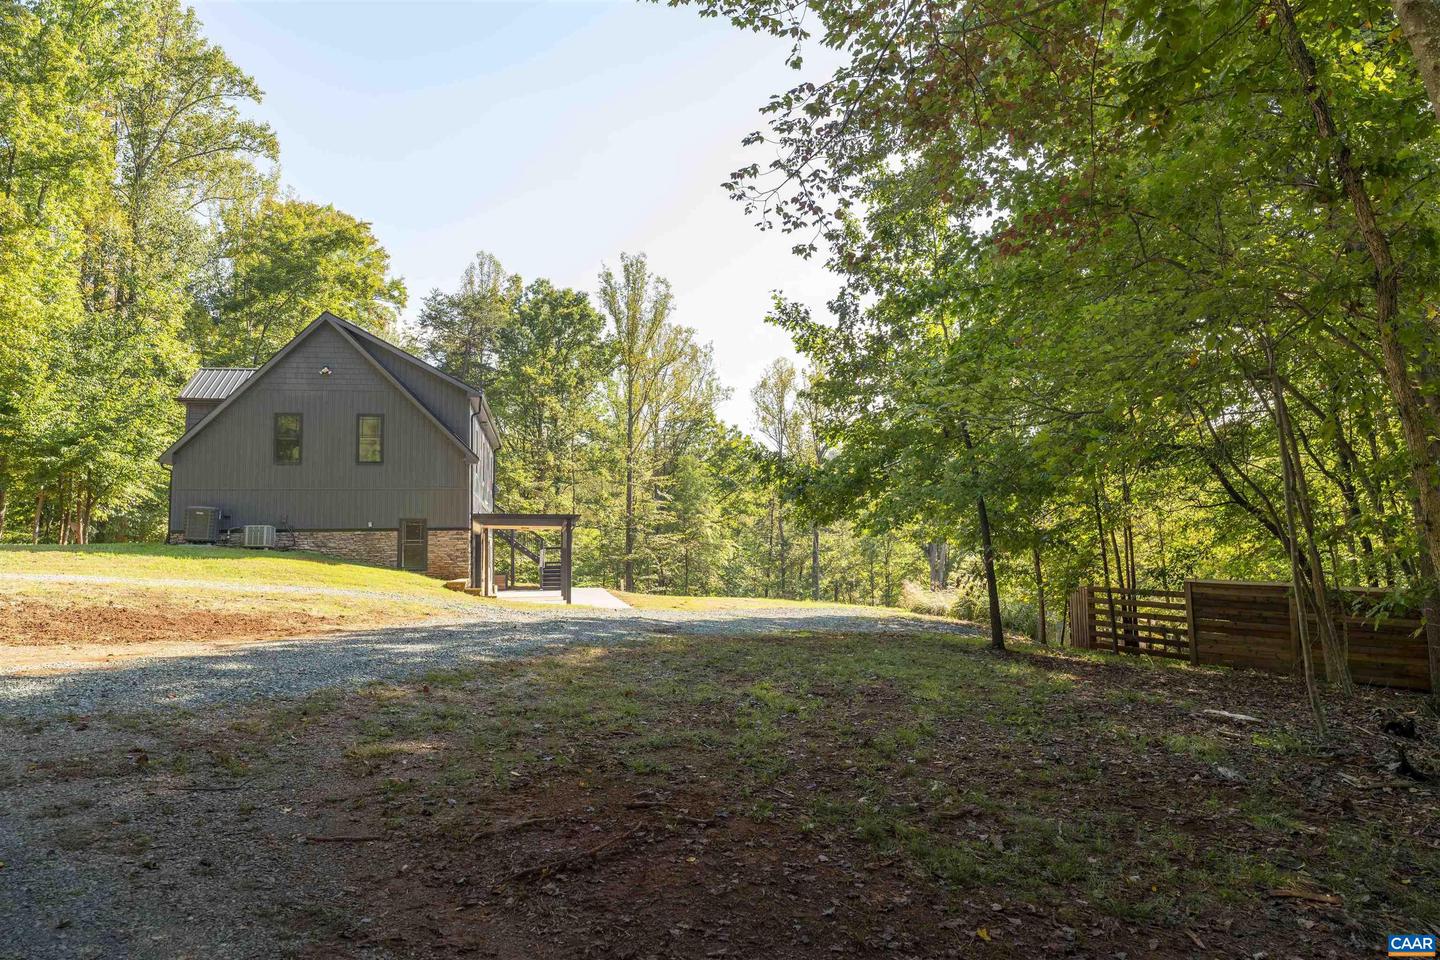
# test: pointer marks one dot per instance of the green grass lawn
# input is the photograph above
(656, 601)
(161, 562)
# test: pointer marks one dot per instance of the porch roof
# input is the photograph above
(522, 521)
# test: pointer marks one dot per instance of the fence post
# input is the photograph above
(1190, 621)
(1085, 601)
(1296, 654)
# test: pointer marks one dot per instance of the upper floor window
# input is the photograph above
(287, 438)
(370, 438)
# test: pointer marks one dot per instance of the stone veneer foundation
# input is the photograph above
(447, 553)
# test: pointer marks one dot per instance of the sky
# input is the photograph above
(554, 135)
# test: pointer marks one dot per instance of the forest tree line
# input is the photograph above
(608, 408)
(144, 231)
(1134, 291)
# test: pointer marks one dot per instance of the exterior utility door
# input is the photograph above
(412, 545)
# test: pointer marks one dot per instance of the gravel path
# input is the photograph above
(105, 853)
(291, 668)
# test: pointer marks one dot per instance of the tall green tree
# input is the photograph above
(552, 357)
(648, 349)
(285, 264)
(777, 419)
(461, 329)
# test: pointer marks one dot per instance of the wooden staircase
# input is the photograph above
(536, 550)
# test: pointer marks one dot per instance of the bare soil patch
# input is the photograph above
(54, 627)
(47, 623)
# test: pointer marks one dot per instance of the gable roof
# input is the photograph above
(214, 383)
(386, 345)
(477, 396)
(326, 319)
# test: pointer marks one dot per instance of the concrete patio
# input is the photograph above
(587, 596)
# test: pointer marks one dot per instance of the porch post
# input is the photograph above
(477, 578)
(565, 558)
(490, 562)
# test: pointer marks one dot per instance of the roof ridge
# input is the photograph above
(326, 318)
(354, 328)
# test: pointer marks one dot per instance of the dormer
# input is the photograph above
(208, 388)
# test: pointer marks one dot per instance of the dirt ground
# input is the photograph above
(799, 795)
(45, 626)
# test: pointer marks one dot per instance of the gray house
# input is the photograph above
(346, 445)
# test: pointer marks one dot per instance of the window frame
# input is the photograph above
(360, 419)
(299, 439)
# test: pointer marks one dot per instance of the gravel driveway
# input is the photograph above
(105, 854)
(297, 667)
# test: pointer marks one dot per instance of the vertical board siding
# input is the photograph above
(449, 403)
(482, 487)
(197, 410)
(230, 464)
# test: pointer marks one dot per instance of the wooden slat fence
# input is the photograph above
(1151, 622)
(1252, 625)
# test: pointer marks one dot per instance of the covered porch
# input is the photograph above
(484, 529)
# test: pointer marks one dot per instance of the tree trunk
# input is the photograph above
(1128, 531)
(1430, 612)
(1304, 598)
(814, 561)
(987, 547)
(87, 506)
(1040, 596)
(992, 588)
(871, 564)
(627, 572)
(1124, 627)
(39, 514)
(1417, 421)
(1160, 535)
(889, 597)
(1420, 20)
(66, 501)
(770, 546)
(780, 528)
(1337, 666)
(1105, 568)
(938, 555)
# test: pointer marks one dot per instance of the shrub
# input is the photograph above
(968, 601)
(921, 599)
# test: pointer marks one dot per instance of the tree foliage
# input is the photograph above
(1171, 264)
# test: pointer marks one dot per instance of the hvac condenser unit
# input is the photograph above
(202, 524)
(259, 535)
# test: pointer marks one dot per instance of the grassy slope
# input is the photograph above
(655, 601)
(130, 619)
(158, 562)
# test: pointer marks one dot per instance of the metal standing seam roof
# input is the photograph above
(215, 383)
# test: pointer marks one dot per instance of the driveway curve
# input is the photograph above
(294, 668)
